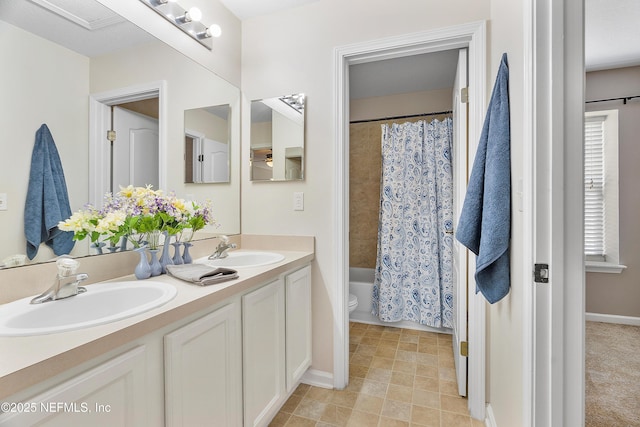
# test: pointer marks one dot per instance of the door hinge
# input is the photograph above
(464, 348)
(541, 273)
(464, 95)
(111, 135)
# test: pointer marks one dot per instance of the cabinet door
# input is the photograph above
(263, 352)
(298, 325)
(111, 394)
(203, 376)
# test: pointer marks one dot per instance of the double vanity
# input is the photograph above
(228, 354)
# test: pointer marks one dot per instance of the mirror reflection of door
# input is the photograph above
(207, 144)
(136, 147)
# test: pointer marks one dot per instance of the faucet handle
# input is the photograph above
(67, 266)
(224, 239)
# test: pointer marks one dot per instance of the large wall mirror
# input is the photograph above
(59, 66)
(277, 138)
(206, 144)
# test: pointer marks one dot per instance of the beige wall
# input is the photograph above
(365, 162)
(619, 294)
(276, 61)
(41, 82)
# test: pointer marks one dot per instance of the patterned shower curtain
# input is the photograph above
(414, 279)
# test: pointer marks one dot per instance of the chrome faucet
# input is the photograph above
(65, 284)
(223, 248)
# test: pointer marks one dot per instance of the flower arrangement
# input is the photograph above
(138, 213)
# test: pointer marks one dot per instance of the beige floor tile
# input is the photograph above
(369, 404)
(355, 385)
(448, 419)
(280, 419)
(301, 389)
(446, 362)
(447, 374)
(449, 387)
(382, 363)
(427, 359)
(319, 394)
(389, 422)
(336, 415)
(388, 344)
(291, 404)
(374, 388)
(425, 416)
(366, 350)
(391, 336)
(373, 334)
(409, 338)
(477, 423)
(309, 408)
(362, 419)
(427, 371)
(402, 379)
(407, 346)
(429, 399)
(426, 383)
(428, 349)
(353, 348)
(396, 410)
(358, 371)
(399, 393)
(370, 341)
(359, 359)
(344, 398)
(296, 421)
(406, 367)
(407, 356)
(388, 352)
(454, 404)
(355, 339)
(379, 375)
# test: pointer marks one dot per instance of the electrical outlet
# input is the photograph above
(298, 201)
(3, 202)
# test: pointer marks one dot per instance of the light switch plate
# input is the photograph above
(3, 202)
(298, 201)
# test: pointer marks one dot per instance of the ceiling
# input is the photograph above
(246, 9)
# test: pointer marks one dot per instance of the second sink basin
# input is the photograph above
(102, 303)
(243, 258)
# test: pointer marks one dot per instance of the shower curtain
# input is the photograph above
(413, 279)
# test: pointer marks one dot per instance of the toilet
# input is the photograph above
(353, 302)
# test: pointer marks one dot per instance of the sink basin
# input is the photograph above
(102, 303)
(244, 259)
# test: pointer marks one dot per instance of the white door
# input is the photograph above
(136, 149)
(215, 161)
(460, 253)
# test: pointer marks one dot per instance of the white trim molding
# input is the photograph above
(603, 267)
(612, 318)
(99, 122)
(318, 378)
(490, 421)
(473, 37)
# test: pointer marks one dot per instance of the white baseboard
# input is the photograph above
(490, 421)
(612, 318)
(318, 378)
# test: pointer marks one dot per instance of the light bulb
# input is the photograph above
(214, 31)
(194, 14)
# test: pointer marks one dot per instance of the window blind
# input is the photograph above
(594, 201)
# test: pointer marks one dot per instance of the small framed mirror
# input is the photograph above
(206, 142)
(277, 138)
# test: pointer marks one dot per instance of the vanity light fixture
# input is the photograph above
(294, 101)
(186, 20)
(269, 160)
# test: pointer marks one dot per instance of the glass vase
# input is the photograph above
(143, 269)
(156, 268)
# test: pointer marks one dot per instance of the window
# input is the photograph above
(601, 191)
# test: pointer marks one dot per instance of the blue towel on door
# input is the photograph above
(485, 221)
(47, 200)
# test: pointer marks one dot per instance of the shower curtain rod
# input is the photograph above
(438, 113)
(622, 98)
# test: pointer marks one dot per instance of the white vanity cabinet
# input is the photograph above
(298, 325)
(263, 337)
(113, 393)
(203, 376)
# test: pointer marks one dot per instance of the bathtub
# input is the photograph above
(361, 285)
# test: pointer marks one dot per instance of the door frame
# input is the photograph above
(473, 37)
(100, 122)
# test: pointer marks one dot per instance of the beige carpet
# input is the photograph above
(612, 375)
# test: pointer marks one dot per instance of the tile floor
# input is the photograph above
(398, 377)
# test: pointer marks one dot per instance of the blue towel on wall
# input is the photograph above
(485, 221)
(47, 200)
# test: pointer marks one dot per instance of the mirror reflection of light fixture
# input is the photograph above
(269, 160)
(186, 20)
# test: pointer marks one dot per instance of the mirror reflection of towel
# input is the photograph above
(485, 221)
(47, 200)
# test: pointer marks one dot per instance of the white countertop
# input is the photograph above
(25, 361)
